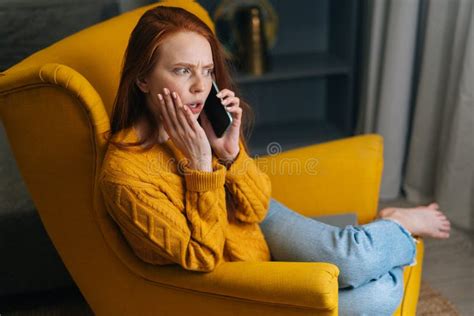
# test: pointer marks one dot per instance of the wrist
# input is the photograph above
(227, 160)
(201, 167)
(201, 164)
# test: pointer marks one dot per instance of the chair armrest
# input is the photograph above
(311, 285)
(336, 177)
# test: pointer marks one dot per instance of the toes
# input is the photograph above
(443, 235)
(434, 206)
(445, 230)
(446, 225)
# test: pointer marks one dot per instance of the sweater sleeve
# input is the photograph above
(249, 188)
(159, 232)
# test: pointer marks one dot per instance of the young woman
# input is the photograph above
(181, 195)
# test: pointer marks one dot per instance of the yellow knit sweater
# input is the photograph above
(170, 213)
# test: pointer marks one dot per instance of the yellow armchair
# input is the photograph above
(55, 107)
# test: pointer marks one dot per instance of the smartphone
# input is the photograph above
(215, 111)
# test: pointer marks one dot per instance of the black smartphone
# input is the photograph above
(216, 113)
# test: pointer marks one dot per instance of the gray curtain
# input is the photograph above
(417, 93)
(389, 51)
(440, 162)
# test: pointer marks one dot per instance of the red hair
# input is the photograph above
(141, 55)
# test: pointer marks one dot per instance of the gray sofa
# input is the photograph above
(29, 262)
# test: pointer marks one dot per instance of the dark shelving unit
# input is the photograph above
(295, 66)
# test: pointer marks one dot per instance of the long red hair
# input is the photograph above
(141, 55)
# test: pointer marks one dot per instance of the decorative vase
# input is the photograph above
(252, 54)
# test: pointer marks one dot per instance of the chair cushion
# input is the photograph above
(341, 220)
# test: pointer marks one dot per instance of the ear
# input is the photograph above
(142, 85)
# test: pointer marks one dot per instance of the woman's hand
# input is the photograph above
(185, 131)
(226, 148)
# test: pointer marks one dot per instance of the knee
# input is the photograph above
(357, 271)
(358, 260)
(359, 267)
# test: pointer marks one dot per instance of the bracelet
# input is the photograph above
(226, 162)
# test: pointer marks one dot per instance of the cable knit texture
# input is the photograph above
(171, 214)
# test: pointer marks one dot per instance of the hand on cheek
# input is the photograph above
(184, 130)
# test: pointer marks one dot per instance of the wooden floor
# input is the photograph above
(448, 265)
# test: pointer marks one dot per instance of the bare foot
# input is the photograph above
(423, 221)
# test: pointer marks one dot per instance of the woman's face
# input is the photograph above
(184, 66)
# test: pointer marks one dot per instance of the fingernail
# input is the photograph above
(166, 91)
(160, 96)
(218, 95)
(174, 94)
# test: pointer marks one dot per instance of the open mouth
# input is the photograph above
(195, 107)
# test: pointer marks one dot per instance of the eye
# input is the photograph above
(209, 71)
(181, 71)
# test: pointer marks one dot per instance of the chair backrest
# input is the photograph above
(55, 106)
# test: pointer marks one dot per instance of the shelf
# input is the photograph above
(291, 66)
(285, 136)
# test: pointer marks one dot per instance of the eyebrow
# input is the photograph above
(192, 66)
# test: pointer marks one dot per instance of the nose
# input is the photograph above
(198, 84)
